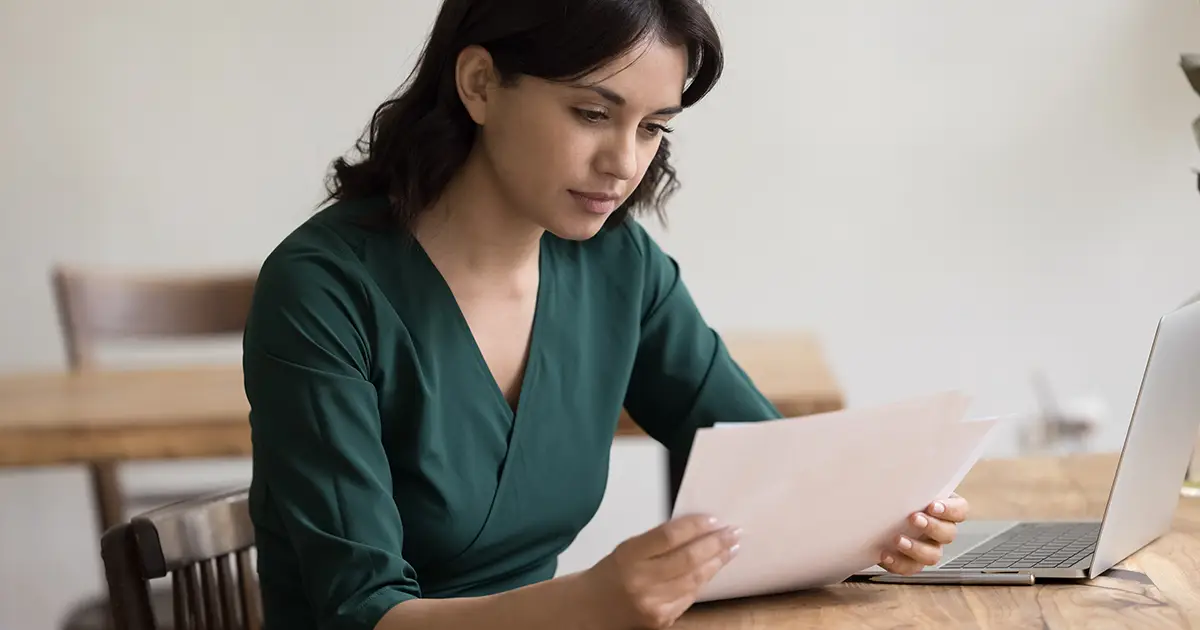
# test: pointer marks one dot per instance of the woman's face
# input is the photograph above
(565, 156)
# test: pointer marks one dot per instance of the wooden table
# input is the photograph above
(1164, 591)
(59, 418)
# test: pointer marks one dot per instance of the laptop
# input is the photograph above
(1141, 504)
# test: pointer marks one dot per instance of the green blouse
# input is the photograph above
(387, 464)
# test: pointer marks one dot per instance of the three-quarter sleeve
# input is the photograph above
(320, 469)
(683, 376)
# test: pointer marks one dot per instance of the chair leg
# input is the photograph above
(106, 488)
(128, 593)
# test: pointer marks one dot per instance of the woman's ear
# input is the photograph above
(474, 77)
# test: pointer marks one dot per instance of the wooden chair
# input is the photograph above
(99, 307)
(96, 308)
(205, 545)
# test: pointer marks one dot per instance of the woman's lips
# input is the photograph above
(596, 203)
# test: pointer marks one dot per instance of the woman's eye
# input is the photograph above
(657, 130)
(590, 115)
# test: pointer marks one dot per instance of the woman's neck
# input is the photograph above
(471, 230)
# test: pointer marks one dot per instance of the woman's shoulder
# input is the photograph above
(324, 249)
(340, 230)
(317, 273)
(629, 251)
(622, 266)
(626, 245)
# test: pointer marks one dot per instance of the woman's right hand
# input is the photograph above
(651, 579)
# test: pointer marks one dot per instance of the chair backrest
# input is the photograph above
(103, 306)
(205, 545)
(98, 306)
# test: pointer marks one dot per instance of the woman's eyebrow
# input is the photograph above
(618, 100)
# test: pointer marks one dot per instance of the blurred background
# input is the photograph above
(944, 194)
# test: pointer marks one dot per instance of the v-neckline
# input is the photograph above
(528, 371)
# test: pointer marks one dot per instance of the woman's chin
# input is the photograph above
(578, 228)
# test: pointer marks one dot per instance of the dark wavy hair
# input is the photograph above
(422, 134)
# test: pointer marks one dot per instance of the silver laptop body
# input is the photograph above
(1141, 504)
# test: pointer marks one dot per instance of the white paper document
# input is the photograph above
(820, 497)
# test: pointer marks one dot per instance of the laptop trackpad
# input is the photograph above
(970, 533)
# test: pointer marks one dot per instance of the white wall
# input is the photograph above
(949, 193)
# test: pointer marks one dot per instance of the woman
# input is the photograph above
(436, 361)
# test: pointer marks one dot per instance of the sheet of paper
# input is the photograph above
(820, 497)
(988, 427)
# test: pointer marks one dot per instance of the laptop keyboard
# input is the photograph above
(1033, 545)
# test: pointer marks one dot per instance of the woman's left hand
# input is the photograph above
(928, 532)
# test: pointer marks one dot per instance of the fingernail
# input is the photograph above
(713, 521)
(733, 550)
(888, 559)
(921, 520)
(733, 535)
(905, 543)
(938, 507)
